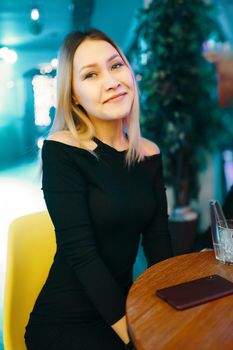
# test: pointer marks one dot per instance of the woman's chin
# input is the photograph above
(117, 113)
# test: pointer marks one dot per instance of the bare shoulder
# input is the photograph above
(150, 147)
(63, 136)
(66, 137)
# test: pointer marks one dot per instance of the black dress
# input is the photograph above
(99, 208)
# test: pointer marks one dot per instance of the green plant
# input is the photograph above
(178, 89)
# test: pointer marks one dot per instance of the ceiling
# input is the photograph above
(117, 18)
(57, 18)
(39, 44)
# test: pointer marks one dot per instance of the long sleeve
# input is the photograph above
(65, 193)
(156, 239)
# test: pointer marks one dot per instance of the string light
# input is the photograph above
(44, 88)
(10, 84)
(45, 69)
(8, 55)
(35, 14)
(40, 142)
(54, 62)
(3, 52)
(144, 58)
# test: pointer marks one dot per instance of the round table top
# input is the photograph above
(153, 324)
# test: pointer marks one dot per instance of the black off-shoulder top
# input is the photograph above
(100, 208)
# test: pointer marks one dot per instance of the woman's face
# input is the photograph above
(102, 83)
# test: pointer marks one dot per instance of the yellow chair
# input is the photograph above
(30, 252)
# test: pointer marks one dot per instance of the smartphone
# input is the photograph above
(196, 292)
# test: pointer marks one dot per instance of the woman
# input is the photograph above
(103, 188)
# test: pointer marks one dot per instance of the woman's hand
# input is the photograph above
(206, 250)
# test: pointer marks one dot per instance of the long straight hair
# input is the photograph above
(73, 117)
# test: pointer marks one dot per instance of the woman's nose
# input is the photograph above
(110, 81)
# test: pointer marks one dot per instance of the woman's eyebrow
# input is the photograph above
(95, 64)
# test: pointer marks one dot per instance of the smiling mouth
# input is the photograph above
(117, 98)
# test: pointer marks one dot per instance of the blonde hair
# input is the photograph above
(74, 118)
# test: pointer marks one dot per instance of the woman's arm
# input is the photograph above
(156, 240)
(65, 193)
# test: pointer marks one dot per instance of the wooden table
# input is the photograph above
(154, 325)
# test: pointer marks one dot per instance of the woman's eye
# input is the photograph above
(117, 65)
(90, 75)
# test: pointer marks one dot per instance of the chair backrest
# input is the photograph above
(30, 252)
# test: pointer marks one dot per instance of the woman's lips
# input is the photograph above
(117, 98)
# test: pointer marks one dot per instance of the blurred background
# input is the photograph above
(168, 44)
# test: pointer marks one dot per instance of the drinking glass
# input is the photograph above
(217, 216)
(226, 237)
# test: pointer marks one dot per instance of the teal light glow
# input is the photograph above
(6, 73)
